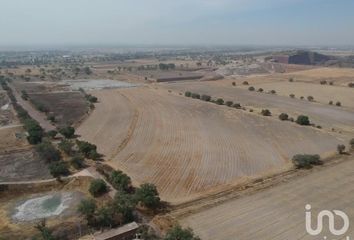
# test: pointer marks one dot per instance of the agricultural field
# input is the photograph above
(278, 213)
(188, 147)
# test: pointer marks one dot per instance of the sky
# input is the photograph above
(177, 22)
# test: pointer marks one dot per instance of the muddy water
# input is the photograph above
(45, 206)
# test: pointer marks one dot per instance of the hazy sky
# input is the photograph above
(232, 22)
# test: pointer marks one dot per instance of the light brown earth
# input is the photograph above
(279, 213)
(188, 147)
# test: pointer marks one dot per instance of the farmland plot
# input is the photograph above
(279, 213)
(188, 147)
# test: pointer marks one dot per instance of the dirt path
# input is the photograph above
(41, 118)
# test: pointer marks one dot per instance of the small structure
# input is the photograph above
(125, 232)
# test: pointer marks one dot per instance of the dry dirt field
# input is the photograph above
(339, 118)
(279, 213)
(188, 147)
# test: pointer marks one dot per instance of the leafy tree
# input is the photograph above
(52, 133)
(48, 152)
(77, 161)
(44, 230)
(220, 101)
(266, 112)
(303, 120)
(58, 169)
(148, 195)
(98, 187)
(67, 132)
(306, 160)
(178, 233)
(283, 116)
(86, 148)
(124, 204)
(35, 131)
(66, 146)
(341, 148)
(188, 94)
(120, 181)
(87, 207)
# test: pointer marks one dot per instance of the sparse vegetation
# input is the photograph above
(341, 149)
(178, 233)
(67, 132)
(284, 117)
(245, 83)
(292, 95)
(188, 94)
(306, 160)
(206, 98)
(310, 98)
(48, 152)
(266, 112)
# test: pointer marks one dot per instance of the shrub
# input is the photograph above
(98, 187)
(340, 148)
(233, 84)
(206, 98)
(120, 181)
(58, 169)
(67, 132)
(66, 146)
(302, 97)
(351, 143)
(188, 94)
(351, 85)
(51, 118)
(148, 195)
(306, 160)
(86, 148)
(331, 83)
(292, 95)
(266, 112)
(24, 95)
(291, 80)
(177, 232)
(323, 82)
(124, 204)
(251, 89)
(48, 152)
(229, 103)
(310, 98)
(303, 120)
(35, 131)
(245, 83)
(291, 119)
(283, 116)
(220, 101)
(237, 106)
(260, 90)
(273, 92)
(91, 98)
(330, 102)
(52, 133)
(87, 207)
(338, 104)
(77, 161)
(195, 96)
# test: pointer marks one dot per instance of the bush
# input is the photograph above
(266, 112)
(233, 84)
(306, 160)
(351, 143)
(98, 187)
(291, 80)
(195, 96)
(292, 95)
(273, 92)
(58, 169)
(125, 205)
(302, 97)
(77, 161)
(48, 152)
(338, 104)
(66, 146)
(245, 83)
(331, 83)
(206, 98)
(86, 148)
(229, 103)
(177, 232)
(188, 94)
(35, 131)
(52, 134)
(283, 116)
(303, 120)
(120, 181)
(260, 90)
(220, 101)
(340, 148)
(310, 98)
(251, 89)
(351, 85)
(91, 98)
(148, 195)
(67, 132)
(330, 102)
(51, 118)
(323, 82)
(24, 95)
(237, 106)
(87, 207)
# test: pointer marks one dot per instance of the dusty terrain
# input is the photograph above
(279, 213)
(188, 147)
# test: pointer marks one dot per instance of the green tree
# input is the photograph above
(148, 195)
(98, 187)
(120, 181)
(77, 161)
(220, 101)
(48, 152)
(124, 204)
(303, 120)
(44, 231)
(58, 169)
(188, 94)
(67, 132)
(104, 217)
(87, 207)
(86, 148)
(306, 160)
(178, 233)
(66, 146)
